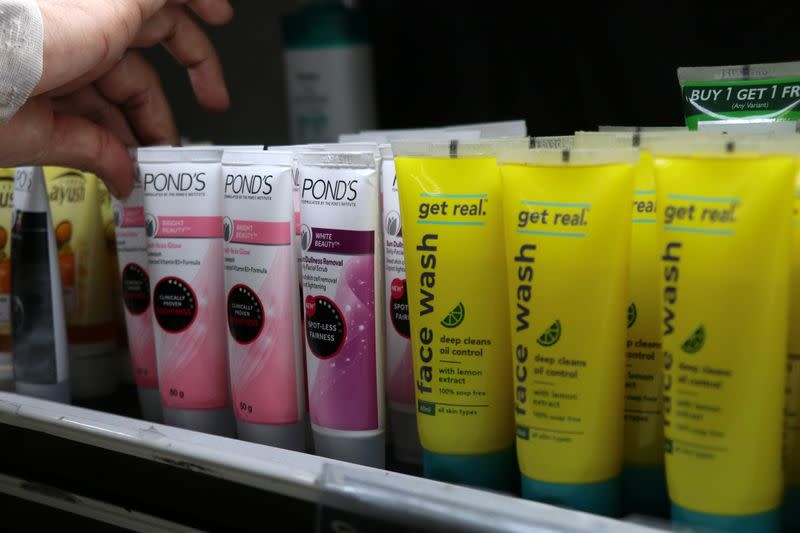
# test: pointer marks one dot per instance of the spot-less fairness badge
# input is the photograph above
(135, 288)
(398, 308)
(175, 305)
(325, 327)
(245, 314)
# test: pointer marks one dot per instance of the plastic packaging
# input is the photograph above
(6, 210)
(136, 298)
(451, 209)
(343, 303)
(183, 197)
(264, 333)
(725, 210)
(86, 279)
(329, 73)
(39, 331)
(567, 225)
(764, 91)
(122, 350)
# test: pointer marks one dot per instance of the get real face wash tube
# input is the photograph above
(567, 233)
(264, 334)
(451, 209)
(725, 211)
(183, 191)
(343, 303)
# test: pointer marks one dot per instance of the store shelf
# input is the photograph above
(332, 488)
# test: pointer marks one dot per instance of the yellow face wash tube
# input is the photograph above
(451, 212)
(644, 484)
(567, 233)
(791, 509)
(725, 210)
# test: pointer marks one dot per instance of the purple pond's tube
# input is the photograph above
(343, 303)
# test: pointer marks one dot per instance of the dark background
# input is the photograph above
(562, 67)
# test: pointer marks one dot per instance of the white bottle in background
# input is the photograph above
(329, 73)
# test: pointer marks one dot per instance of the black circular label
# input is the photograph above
(174, 304)
(325, 327)
(398, 308)
(135, 288)
(245, 314)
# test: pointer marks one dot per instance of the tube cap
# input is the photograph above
(405, 437)
(496, 470)
(56, 392)
(287, 436)
(763, 522)
(601, 497)
(150, 403)
(215, 421)
(367, 450)
(644, 490)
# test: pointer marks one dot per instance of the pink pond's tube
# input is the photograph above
(262, 304)
(183, 191)
(343, 303)
(132, 252)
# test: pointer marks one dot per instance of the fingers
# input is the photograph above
(212, 11)
(189, 45)
(83, 38)
(79, 143)
(134, 86)
(90, 104)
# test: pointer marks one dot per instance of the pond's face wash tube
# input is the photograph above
(6, 209)
(122, 352)
(263, 308)
(451, 210)
(343, 303)
(766, 91)
(39, 332)
(725, 223)
(183, 198)
(136, 297)
(86, 279)
(567, 225)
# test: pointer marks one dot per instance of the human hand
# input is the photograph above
(96, 98)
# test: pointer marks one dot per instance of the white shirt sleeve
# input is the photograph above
(21, 53)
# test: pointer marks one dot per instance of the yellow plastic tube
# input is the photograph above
(451, 212)
(85, 277)
(791, 509)
(725, 212)
(567, 232)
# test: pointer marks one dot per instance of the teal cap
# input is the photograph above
(496, 470)
(715, 523)
(601, 497)
(644, 490)
(791, 508)
(324, 25)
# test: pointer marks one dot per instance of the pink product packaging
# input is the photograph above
(183, 196)
(132, 252)
(263, 309)
(343, 303)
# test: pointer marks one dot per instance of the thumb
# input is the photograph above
(80, 143)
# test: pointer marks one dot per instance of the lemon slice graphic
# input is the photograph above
(695, 341)
(455, 317)
(551, 335)
(631, 314)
